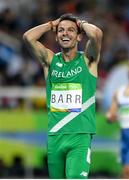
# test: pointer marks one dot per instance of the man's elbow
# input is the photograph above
(25, 37)
(27, 40)
(98, 34)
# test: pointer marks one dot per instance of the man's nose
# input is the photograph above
(65, 32)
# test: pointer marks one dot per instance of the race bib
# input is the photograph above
(66, 97)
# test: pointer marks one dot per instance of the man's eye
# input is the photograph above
(71, 30)
(60, 30)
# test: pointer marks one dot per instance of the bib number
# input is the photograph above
(66, 97)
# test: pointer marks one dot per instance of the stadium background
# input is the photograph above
(23, 116)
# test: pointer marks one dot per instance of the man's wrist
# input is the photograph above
(83, 22)
(51, 25)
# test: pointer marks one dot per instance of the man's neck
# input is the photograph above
(68, 55)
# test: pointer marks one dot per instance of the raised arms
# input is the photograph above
(45, 55)
(32, 36)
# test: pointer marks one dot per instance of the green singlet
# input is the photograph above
(70, 89)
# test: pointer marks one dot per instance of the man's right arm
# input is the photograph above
(32, 36)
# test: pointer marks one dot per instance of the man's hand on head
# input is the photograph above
(54, 24)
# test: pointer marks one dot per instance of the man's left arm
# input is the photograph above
(93, 46)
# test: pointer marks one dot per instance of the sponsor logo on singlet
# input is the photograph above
(59, 64)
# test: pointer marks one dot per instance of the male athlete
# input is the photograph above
(119, 110)
(70, 87)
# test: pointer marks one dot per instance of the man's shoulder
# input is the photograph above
(56, 58)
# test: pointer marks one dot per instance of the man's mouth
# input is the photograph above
(65, 39)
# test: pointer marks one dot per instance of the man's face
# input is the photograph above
(67, 35)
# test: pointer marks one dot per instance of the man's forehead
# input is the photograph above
(67, 23)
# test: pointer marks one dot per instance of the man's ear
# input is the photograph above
(79, 38)
(56, 38)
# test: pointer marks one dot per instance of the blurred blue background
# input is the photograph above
(23, 116)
